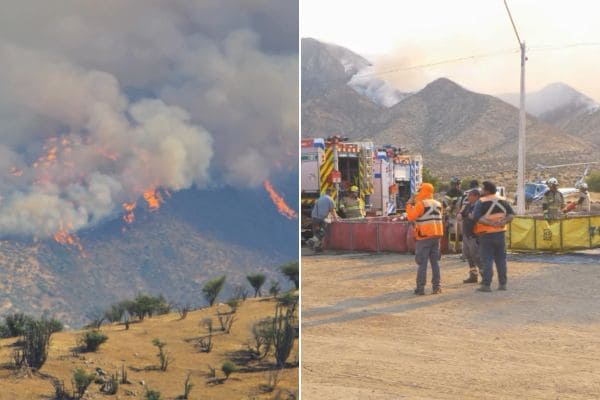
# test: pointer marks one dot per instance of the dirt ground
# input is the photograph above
(365, 335)
(133, 349)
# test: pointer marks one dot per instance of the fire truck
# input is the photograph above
(386, 177)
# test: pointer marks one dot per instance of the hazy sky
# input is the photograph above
(398, 34)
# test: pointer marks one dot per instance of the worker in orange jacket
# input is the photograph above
(426, 213)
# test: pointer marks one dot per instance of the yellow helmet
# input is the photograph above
(354, 188)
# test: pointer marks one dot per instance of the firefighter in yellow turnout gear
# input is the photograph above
(553, 202)
(352, 206)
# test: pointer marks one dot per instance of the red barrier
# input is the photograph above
(339, 236)
(364, 236)
(411, 242)
(392, 237)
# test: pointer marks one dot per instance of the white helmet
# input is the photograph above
(552, 181)
(583, 186)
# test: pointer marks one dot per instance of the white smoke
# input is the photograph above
(377, 90)
(104, 100)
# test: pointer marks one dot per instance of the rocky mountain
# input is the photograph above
(327, 66)
(195, 236)
(565, 108)
(457, 131)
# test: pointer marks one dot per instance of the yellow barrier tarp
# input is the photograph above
(595, 231)
(573, 233)
(522, 233)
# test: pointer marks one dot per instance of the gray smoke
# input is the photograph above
(100, 101)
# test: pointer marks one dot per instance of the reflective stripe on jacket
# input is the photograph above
(553, 203)
(429, 223)
(353, 207)
(495, 212)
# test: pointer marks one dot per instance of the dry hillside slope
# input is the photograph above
(133, 349)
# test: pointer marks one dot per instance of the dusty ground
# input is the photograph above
(133, 348)
(366, 336)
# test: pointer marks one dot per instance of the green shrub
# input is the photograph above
(15, 324)
(90, 341)
(81, 381)
(256, 281)
(212, 289)
(263, 336)
(275, 288)
(164, 357)
(233, 303)
(593, 181)
(290, 270)
(228, 368)
(146, 306)
(116, 311)
(152, 395)
(36, 341)
(187, 388)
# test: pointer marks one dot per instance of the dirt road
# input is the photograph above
(366, 336)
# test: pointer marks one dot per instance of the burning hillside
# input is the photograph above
(98, 123)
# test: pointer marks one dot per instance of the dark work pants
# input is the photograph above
(492, 248)
(470, 250)
(428, 250)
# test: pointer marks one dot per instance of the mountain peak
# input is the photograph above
(443, 84)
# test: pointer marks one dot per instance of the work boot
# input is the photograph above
(471, 279)
(502, 286)
(437, 290)
(484, 288)
(420, 291)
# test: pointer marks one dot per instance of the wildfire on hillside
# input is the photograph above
(153, 198)
(64, 237)
(279, 202)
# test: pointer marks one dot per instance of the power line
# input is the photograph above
(563, 46)
(513, 24)
(420, 66)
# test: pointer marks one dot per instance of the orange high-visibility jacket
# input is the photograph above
(426, 214)
(493, 210)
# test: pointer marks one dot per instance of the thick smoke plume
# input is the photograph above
(102, 102)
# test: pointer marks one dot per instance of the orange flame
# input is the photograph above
(129, 216)
(153, 198)
(282, 207)
(105, 152)
(68, 239)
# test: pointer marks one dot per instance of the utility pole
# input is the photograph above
(522, 144)
(522, 122)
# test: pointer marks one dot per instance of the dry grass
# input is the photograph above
(133, 348)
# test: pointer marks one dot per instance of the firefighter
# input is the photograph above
(470, 241)
(491, 214)
(426, 213)
(553, 202)
(322, 213)
(451, 206)
(452, 197)
(352, 206)
(583, 202)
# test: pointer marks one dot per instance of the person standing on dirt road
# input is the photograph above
(322, 213)
(470, 243)
(426, 213)
(491, 214)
